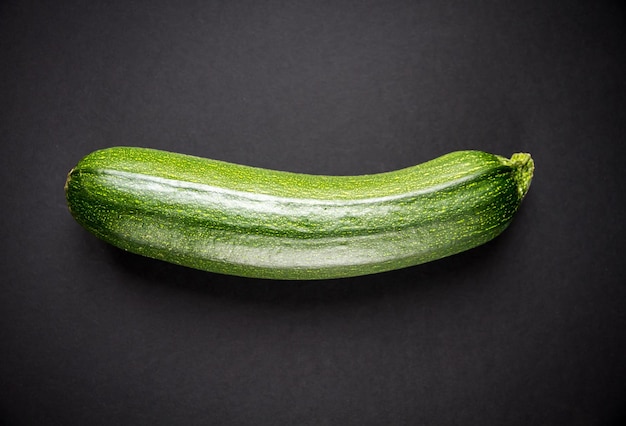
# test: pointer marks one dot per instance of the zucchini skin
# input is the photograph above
(247, 221)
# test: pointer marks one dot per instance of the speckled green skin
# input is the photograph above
(247, 221)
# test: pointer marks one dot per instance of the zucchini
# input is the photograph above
(253, 222)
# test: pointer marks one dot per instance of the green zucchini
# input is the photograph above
(253, 222)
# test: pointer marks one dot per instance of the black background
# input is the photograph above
(527, 329)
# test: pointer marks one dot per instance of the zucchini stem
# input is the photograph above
(524, 169)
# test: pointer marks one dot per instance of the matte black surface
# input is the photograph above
(527, 330)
